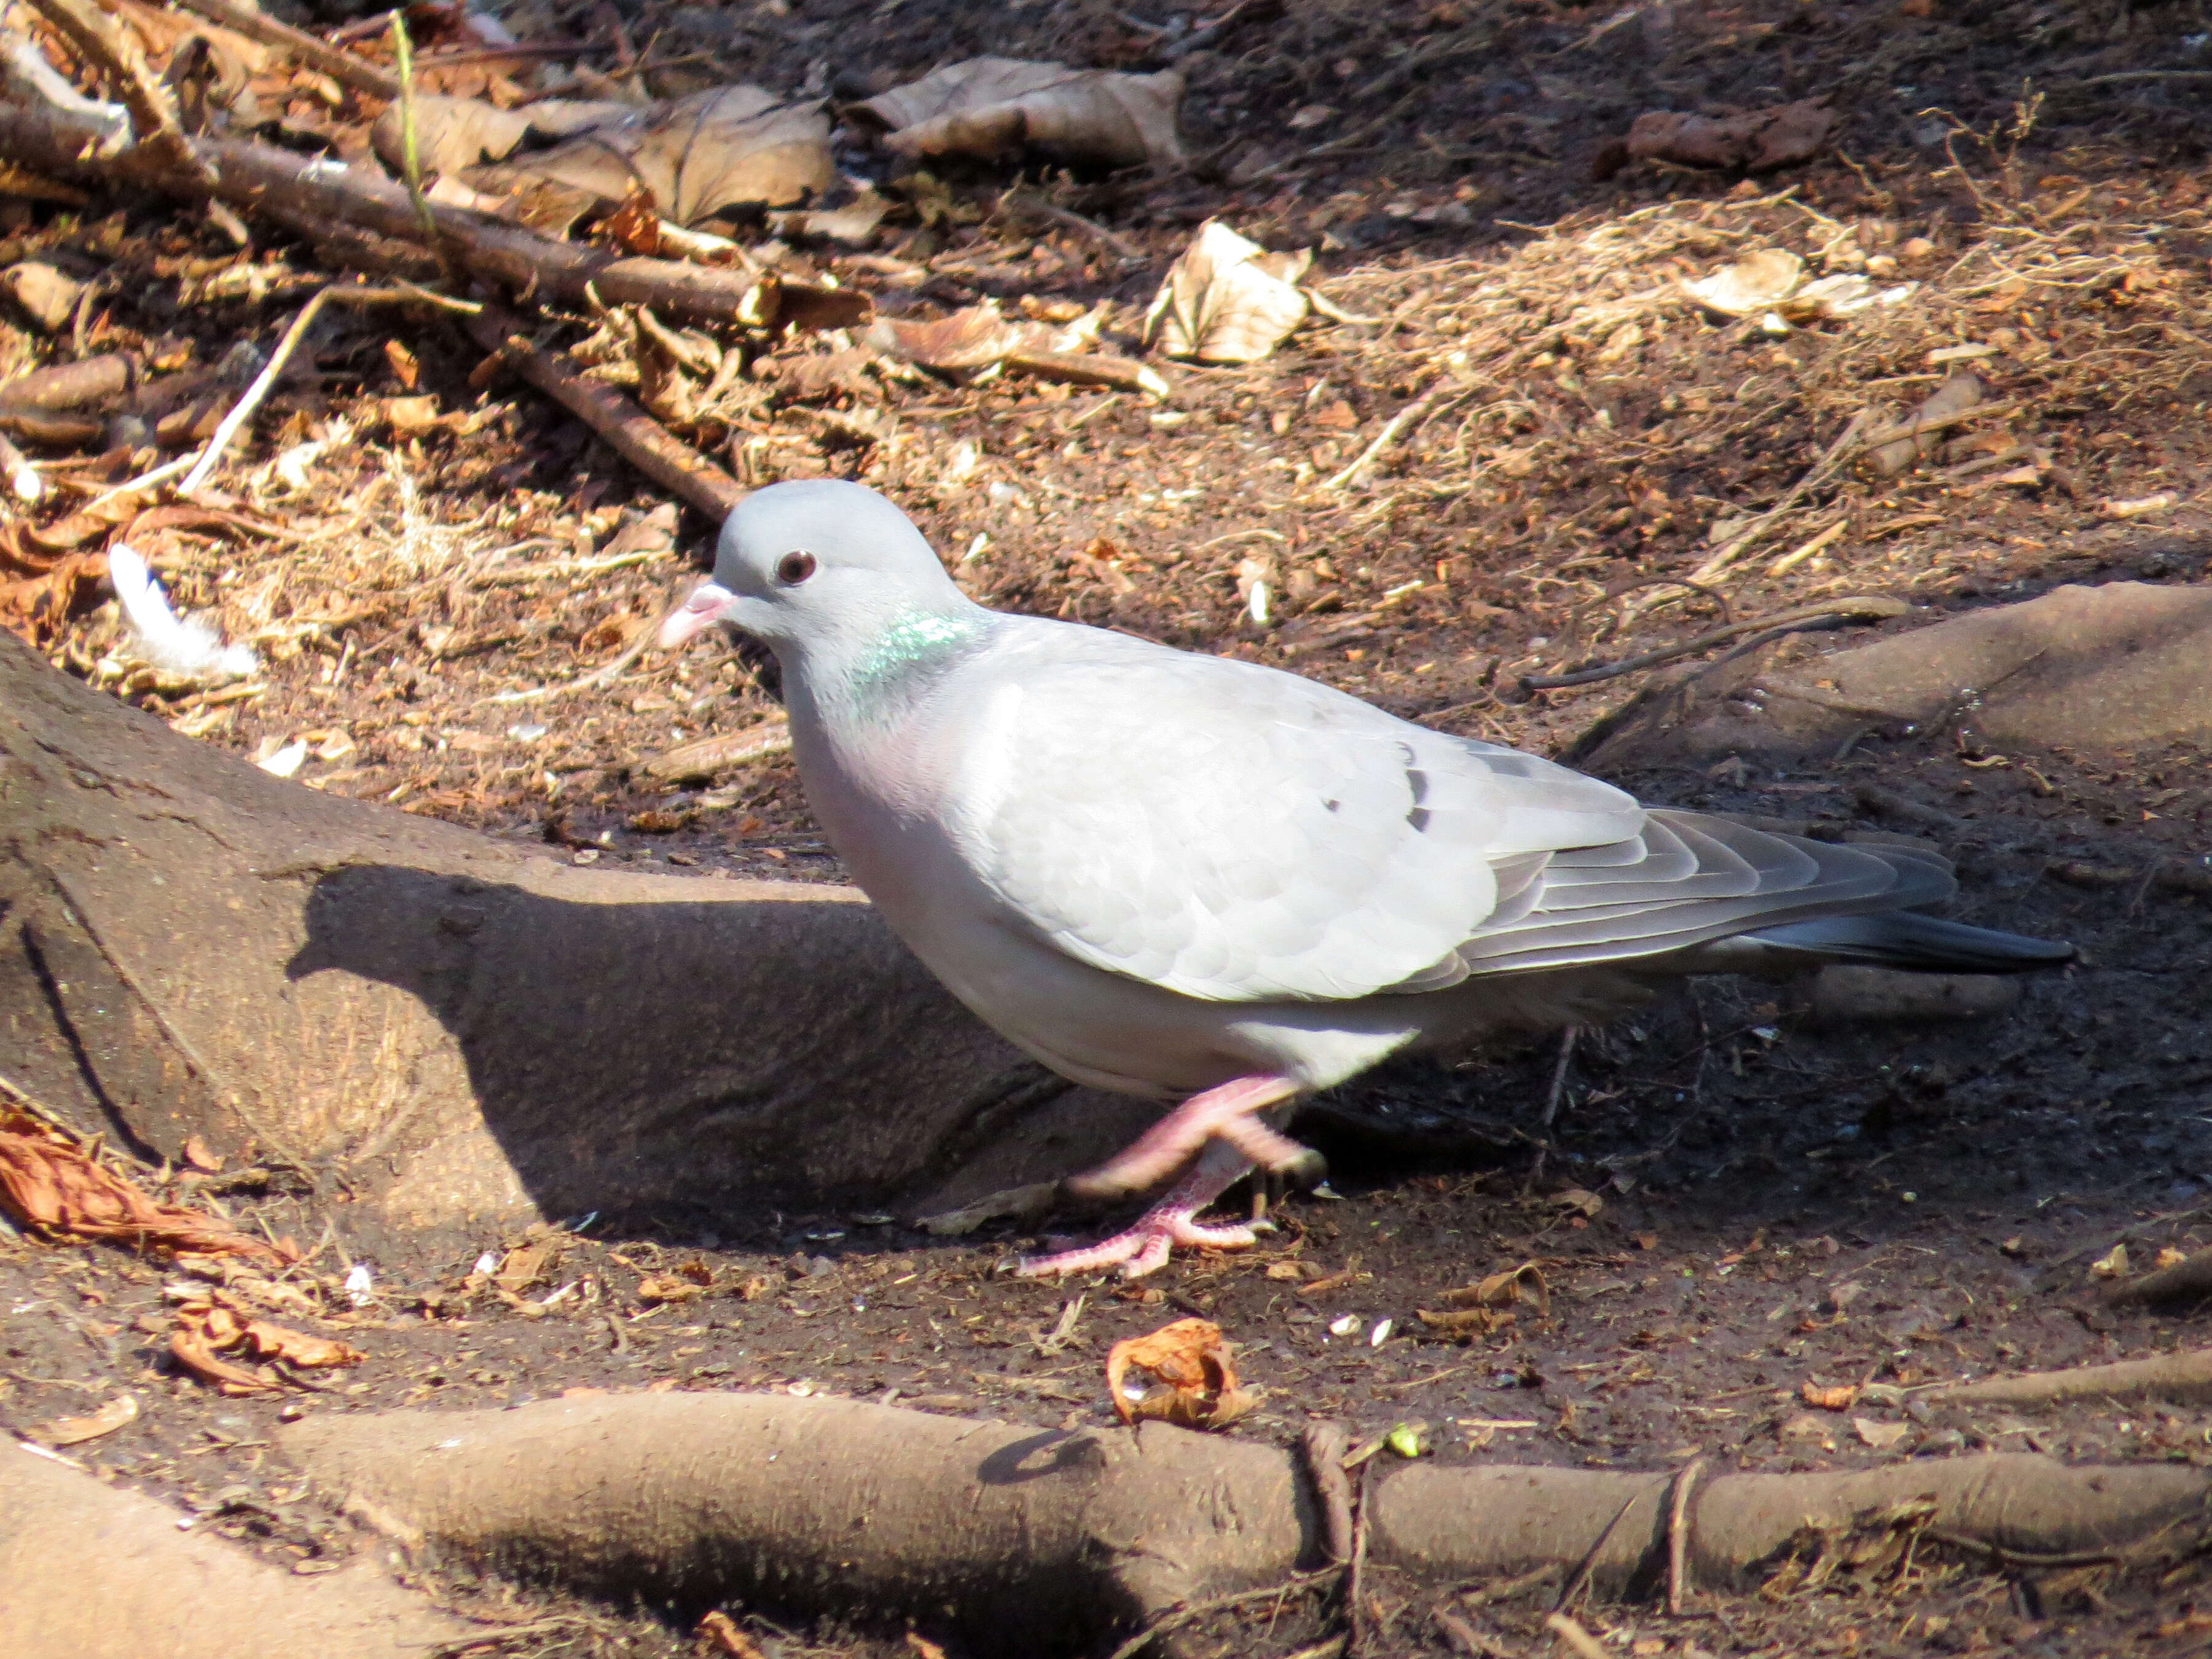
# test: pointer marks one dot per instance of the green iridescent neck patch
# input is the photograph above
(914, 641)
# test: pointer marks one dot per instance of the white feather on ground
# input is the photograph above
(184, 648)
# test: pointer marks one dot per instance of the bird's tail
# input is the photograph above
(1903, 940)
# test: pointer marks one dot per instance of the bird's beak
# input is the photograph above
(695, 615)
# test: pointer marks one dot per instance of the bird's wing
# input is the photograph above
(1240, 835)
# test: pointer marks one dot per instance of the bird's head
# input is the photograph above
(814, 564)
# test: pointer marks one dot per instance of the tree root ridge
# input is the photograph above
(1032, 1541)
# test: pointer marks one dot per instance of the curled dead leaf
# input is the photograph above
(993, 107)
(1840, 1397)
(1227, 300)
(1192, 1383)
(2113, 1264)
(1522, 1283)
(668, 1287)
(1755, 282)
(211, 1335)
(1878, 1434)
(1752, 141)
(118, 1413)
(35, 609)
(49, 1185)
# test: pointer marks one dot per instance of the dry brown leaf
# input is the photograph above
(634, 227)
(118, 1413)
(992, 106)
(209, 1328)
(1754, 283)
(454, 134)
(975, 337)
(723, 147)
(1840, 1397)
(1227, 300)
(1878, 1434)
(47, 1184)
(1194, 1386)
(198, 1154)
(667, 1287)
(717, 1632)
(1522, 1283)
(35, 609)
(47, 296)
(1748, 141)
(1580, 1199)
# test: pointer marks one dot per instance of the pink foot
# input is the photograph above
(1144, 1248)
(1223, 1114)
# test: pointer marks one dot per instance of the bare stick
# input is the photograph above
(1432, 401)
(1585, 1646)
(629, 430)
(1081, 369)
(309, 194)
(102, 42)
(1828, 610)
(301, 47)
(1678, 1537)
(242, 411)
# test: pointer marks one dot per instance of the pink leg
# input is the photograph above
(1145, 1247)
(1225, 1113)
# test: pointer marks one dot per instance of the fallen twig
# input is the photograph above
(1585, 1646)
(1829, 611)
(628, 429)
(314, 195)
(251, 399)
(100, 40)
(2168, 875)
(339, 64)
(1434, 401)
(1083, 368)
(71, 386)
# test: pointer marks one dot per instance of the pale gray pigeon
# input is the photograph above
(1200, 880)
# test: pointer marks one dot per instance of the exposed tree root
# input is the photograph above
(137, 1584)
(2178, 1379)
(1029, 1541)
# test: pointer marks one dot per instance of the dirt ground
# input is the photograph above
(1730, 1199)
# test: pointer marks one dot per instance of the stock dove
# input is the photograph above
(1200, 880)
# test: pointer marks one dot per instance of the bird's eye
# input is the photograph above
(793, 568)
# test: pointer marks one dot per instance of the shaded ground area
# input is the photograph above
(1732, 1197)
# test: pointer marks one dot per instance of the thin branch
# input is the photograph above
(242, 411)
(300, 46)
(107, 45)
(1828, 611)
